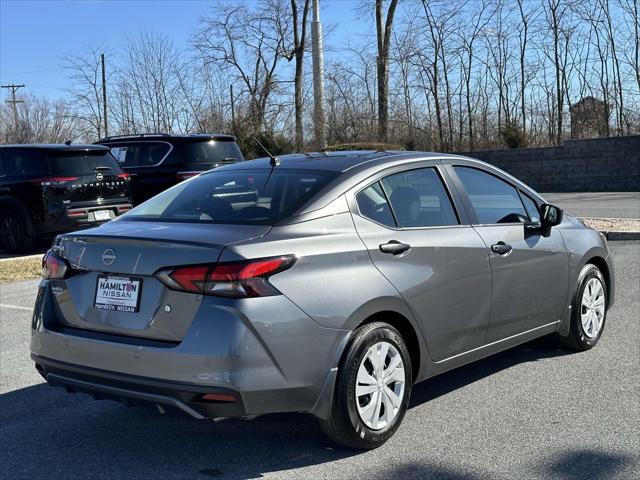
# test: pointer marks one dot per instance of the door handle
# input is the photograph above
(501, 248)
(394, 247)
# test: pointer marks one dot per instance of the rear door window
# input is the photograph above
(246, 197)
(419, 199)
(493, 199)
(83, 163)
(140, 154)
(373, 204)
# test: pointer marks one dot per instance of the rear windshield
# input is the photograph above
(140, 154)
(211, 152)
(234, 197)
(22, 162)
(82, 163)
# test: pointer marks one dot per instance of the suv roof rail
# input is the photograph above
(135, 135)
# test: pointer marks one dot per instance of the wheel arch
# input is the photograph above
(408, 332)
(603, 266)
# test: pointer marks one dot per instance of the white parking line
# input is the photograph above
(17, 307)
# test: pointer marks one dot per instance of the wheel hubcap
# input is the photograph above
(592, 308)
(380, 385)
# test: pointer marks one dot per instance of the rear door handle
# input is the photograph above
(501, 248)
(394, 247)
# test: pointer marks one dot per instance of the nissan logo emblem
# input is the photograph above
(99, 176)
(108, 256)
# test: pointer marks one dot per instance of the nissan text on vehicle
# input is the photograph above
(320, 283)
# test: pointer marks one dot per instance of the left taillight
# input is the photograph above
(54, 266)
(233, 279)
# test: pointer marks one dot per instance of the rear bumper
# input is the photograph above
(78, 216)
(133, 390)
(266, 352)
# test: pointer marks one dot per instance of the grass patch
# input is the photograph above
(16, 269)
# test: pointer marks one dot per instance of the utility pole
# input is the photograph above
(318, 77)
(14, 88)
(104, 96)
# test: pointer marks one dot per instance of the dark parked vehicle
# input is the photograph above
(319, 283)
(158, 161)
(51, 189)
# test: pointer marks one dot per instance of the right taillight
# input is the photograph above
(54, 266)
(234, 279)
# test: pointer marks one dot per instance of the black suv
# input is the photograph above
(50, 189)
(158, 161)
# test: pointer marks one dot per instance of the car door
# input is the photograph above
(436, 261)
(529, 270)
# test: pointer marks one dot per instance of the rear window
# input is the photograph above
(140, 154)
(82, 163)
(23, 163)
(234, 197)
(211, 152)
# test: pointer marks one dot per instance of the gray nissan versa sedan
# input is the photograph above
(319, 283)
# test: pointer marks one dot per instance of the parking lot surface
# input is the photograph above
(534, 412)
(598, 204)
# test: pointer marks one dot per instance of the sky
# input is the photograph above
(36, 34)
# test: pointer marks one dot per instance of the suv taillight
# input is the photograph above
(184, 175)
(53, 181)
(234, 279)
(54, 266)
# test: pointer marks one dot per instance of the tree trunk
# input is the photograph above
(382, 64)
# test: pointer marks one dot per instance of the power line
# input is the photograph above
(14, 88)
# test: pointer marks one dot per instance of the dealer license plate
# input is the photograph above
(120, 294)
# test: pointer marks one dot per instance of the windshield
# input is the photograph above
(83, 163)
(245, 197)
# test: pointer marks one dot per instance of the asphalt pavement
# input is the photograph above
(598, 204)
(533, 412)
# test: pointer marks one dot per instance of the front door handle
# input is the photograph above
(501, 248)
(394, 247)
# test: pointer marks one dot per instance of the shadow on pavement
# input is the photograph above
(46, 432)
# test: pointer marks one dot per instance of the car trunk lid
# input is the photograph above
(120, 258)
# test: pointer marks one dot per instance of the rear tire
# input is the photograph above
(372, 389)
(14, 236)
(588, 310)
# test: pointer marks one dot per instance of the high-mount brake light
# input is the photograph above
(54, 266)
(234, 279)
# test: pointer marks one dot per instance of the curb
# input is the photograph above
(622, 236)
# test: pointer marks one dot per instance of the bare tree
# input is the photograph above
(383, 36)
(85, 75)
(249, 44)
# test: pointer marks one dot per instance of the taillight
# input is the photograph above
(54, 266)
(184, 175)
(123, 176)
(234, 279)
(53, 181)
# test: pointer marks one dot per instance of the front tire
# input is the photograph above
(372, 389)
(588, 310)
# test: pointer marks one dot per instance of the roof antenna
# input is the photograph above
(68, 142)
(274, 161)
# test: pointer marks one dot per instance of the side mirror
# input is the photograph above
(550, 215)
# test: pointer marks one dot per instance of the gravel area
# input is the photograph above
(613, 224)
(22, 268)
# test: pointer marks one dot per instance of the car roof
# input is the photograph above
(55, 146)
(147, 137)
(341, 161)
